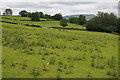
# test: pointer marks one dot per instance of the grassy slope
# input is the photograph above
(51, 23)
(76, 42)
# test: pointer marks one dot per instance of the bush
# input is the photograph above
(63, 23)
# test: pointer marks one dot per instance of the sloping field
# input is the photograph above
(30, 52)
(43, 23)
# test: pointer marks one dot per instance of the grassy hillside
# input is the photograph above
(30, 52)
(43, 23)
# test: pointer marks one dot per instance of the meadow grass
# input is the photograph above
(30, 52)
(43, 23)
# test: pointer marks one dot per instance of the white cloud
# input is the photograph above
(66, 8)
(60, 0)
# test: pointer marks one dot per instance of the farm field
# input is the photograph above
(43, 23)
(30, 52)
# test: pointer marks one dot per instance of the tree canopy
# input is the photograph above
(41, 14)
(103, 22)
(63, 23)
(47, 16)
(81, 20)
(8, 12)
(57, 16)
(23, 13)
(35, 16)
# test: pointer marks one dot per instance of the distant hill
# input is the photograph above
(88, 16)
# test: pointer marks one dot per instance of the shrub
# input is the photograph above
(63, 23)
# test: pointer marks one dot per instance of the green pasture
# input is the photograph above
(30, 52)
(43, 23)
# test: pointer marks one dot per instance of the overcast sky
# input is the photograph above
(61, 6)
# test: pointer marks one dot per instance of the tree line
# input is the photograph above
(35, 16)
(102, 22)
(81, 20)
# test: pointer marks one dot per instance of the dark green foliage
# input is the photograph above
(118, 25)
(46, 16)
(63, 23)
(23, 13)
(81, 20)
(73, 20)
(41, 14)
(29, 14)
(57, 17)
(103, 22)
(35, 16)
